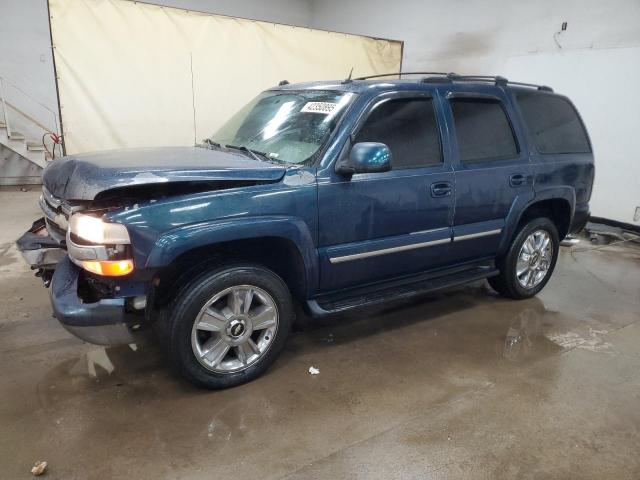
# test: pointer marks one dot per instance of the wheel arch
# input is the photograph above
(556, 204)
(281, 244)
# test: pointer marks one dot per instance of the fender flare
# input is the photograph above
(517, 210)
(178, 241)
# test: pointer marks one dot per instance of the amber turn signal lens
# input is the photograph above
(112, 268)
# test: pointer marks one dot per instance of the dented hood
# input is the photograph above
(82, 177)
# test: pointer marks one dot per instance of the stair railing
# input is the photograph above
(4, 83)
(4, 106)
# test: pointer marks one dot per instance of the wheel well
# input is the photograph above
(557, 209)
(277, 254)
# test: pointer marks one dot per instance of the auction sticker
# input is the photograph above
(319, 107)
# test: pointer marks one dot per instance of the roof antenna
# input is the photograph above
(348, 79)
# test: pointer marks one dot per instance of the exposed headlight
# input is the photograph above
(94, 230)
(107, 254)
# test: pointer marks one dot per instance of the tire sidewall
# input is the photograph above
(188, 305)
(511, 279)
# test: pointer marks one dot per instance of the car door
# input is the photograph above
(492, 169)
(374, 226)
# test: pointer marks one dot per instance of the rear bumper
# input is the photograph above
(104, 322)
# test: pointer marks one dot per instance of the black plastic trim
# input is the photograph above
(398, 289)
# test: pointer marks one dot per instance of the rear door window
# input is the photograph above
(553, 123)
(408, 127)
(483, 130)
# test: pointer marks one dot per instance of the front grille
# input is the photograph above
(56, 219)
(57, 233)
(52, 201)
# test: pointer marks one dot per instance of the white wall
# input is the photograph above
(447, 33)
(597, 63)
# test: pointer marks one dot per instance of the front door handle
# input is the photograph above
(440, 189)
(517, 180)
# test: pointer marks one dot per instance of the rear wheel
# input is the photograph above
(529, 262)
(228, 326)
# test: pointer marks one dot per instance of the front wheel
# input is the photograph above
(228, 326)
(529, 262)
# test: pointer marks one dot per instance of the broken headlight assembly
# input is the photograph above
(99, 247)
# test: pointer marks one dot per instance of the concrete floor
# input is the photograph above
(462, 384)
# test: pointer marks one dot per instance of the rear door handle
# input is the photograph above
(518, 179)
(440, 189)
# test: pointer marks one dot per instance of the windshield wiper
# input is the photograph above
(259, 156)
(211, 143)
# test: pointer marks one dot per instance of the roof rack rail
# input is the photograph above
(498, 80)
(454, 77)
(544, 88)
(399, 74)
(436, 79)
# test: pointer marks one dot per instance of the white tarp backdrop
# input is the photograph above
(134, 74)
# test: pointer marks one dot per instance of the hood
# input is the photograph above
(82, 177)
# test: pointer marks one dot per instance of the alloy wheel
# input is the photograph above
(534, 259)
(234, 329)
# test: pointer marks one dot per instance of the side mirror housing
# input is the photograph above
(365, 157)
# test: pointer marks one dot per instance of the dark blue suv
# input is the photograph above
(325, 195)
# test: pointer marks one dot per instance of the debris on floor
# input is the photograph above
(569, 241)
(38, 468)
(314, 371)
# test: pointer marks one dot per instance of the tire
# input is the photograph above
(198, 354)
(540, 264)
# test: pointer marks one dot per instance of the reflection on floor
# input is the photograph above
(459, 384)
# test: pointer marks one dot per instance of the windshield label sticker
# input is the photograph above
(319, 107)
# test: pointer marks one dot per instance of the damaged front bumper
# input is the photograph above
(102, 322)
(37, 247)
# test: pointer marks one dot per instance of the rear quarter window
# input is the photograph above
(553, 122)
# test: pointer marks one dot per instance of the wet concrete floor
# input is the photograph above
(462, 384)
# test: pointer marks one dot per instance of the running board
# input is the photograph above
(329, 304)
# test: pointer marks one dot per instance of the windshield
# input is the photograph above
(286, 126)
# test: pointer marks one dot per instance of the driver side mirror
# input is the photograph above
(365, 157)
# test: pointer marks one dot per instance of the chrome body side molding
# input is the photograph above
(477, 235)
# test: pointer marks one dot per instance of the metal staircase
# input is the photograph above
(18, 147)
(30, 150)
